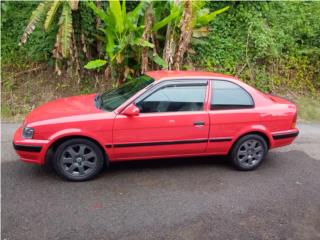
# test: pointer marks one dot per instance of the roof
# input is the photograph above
(158, 75)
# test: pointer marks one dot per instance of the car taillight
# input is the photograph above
(293, 125)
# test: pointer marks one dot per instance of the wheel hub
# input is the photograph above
(79, 160)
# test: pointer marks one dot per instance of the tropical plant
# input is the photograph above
(187, 20)
(46, 11)
(182, 21)
(122, 37)
(128, 39)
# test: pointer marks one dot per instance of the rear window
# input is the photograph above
(228, 95)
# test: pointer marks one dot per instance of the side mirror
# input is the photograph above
(131, 111)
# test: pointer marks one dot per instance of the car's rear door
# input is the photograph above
(172, 121)
(232, 109)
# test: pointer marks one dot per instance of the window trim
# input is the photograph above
(174, 82)
(234, 108)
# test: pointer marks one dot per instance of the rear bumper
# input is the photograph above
(284, 138)
(29, 150)
(285, 135)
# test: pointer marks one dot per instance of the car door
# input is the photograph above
(231, 110)
(172, 121)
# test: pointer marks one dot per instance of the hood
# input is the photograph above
(64, 107)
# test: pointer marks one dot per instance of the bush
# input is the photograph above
(269, 44)
(273, 45)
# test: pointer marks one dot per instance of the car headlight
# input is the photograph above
(27, 132)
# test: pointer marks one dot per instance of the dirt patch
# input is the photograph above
(24, 90)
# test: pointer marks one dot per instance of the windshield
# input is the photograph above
(112, 99)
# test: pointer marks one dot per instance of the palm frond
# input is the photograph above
(98, 11)
(138, 11)
(110, 45)
(37, 14)
(124, 10)
(175, 11)
(51, 14)
(116, 11)
(65, 30)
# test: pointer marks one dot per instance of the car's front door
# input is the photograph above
(172, 121)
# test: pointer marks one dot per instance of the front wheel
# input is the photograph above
(78, 160)
(249, 152)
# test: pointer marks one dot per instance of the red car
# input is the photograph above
(163, 114)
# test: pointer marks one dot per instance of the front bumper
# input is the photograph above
(30, 150)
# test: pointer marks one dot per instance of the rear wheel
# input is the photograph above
(78, 160)
(249, 152)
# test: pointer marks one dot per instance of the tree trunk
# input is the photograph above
(75, 56)
(74, 4)
(170, 46)
(185, 36)
(147, 34)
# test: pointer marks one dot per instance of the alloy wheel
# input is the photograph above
(78, 160)
(250, 153)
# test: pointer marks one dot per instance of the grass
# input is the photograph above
(309, 108)
(5, 111)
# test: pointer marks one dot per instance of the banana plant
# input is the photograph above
(122, 34)
(201, 16)
(195, 19)
(127, 34)
(187, 19)
(47, 11)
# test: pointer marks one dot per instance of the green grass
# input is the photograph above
(309, 108)
(5, 111)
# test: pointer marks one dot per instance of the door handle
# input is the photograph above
(198, 123)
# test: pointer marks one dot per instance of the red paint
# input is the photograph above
(116, 131)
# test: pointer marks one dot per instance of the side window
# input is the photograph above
(174, 98)
(228, 95)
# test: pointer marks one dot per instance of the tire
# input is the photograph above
(249, 152)
(78, 159)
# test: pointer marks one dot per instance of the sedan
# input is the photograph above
(163, 114)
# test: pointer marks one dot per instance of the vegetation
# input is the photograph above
(127, 36)
(65, 44)
(309, 108)
(122, 37)
(274, 46)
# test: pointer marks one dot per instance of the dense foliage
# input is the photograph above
(270, 44)
(273, 45)
(14, 18)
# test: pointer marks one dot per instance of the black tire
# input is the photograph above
(249, 152)
(78, 159)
